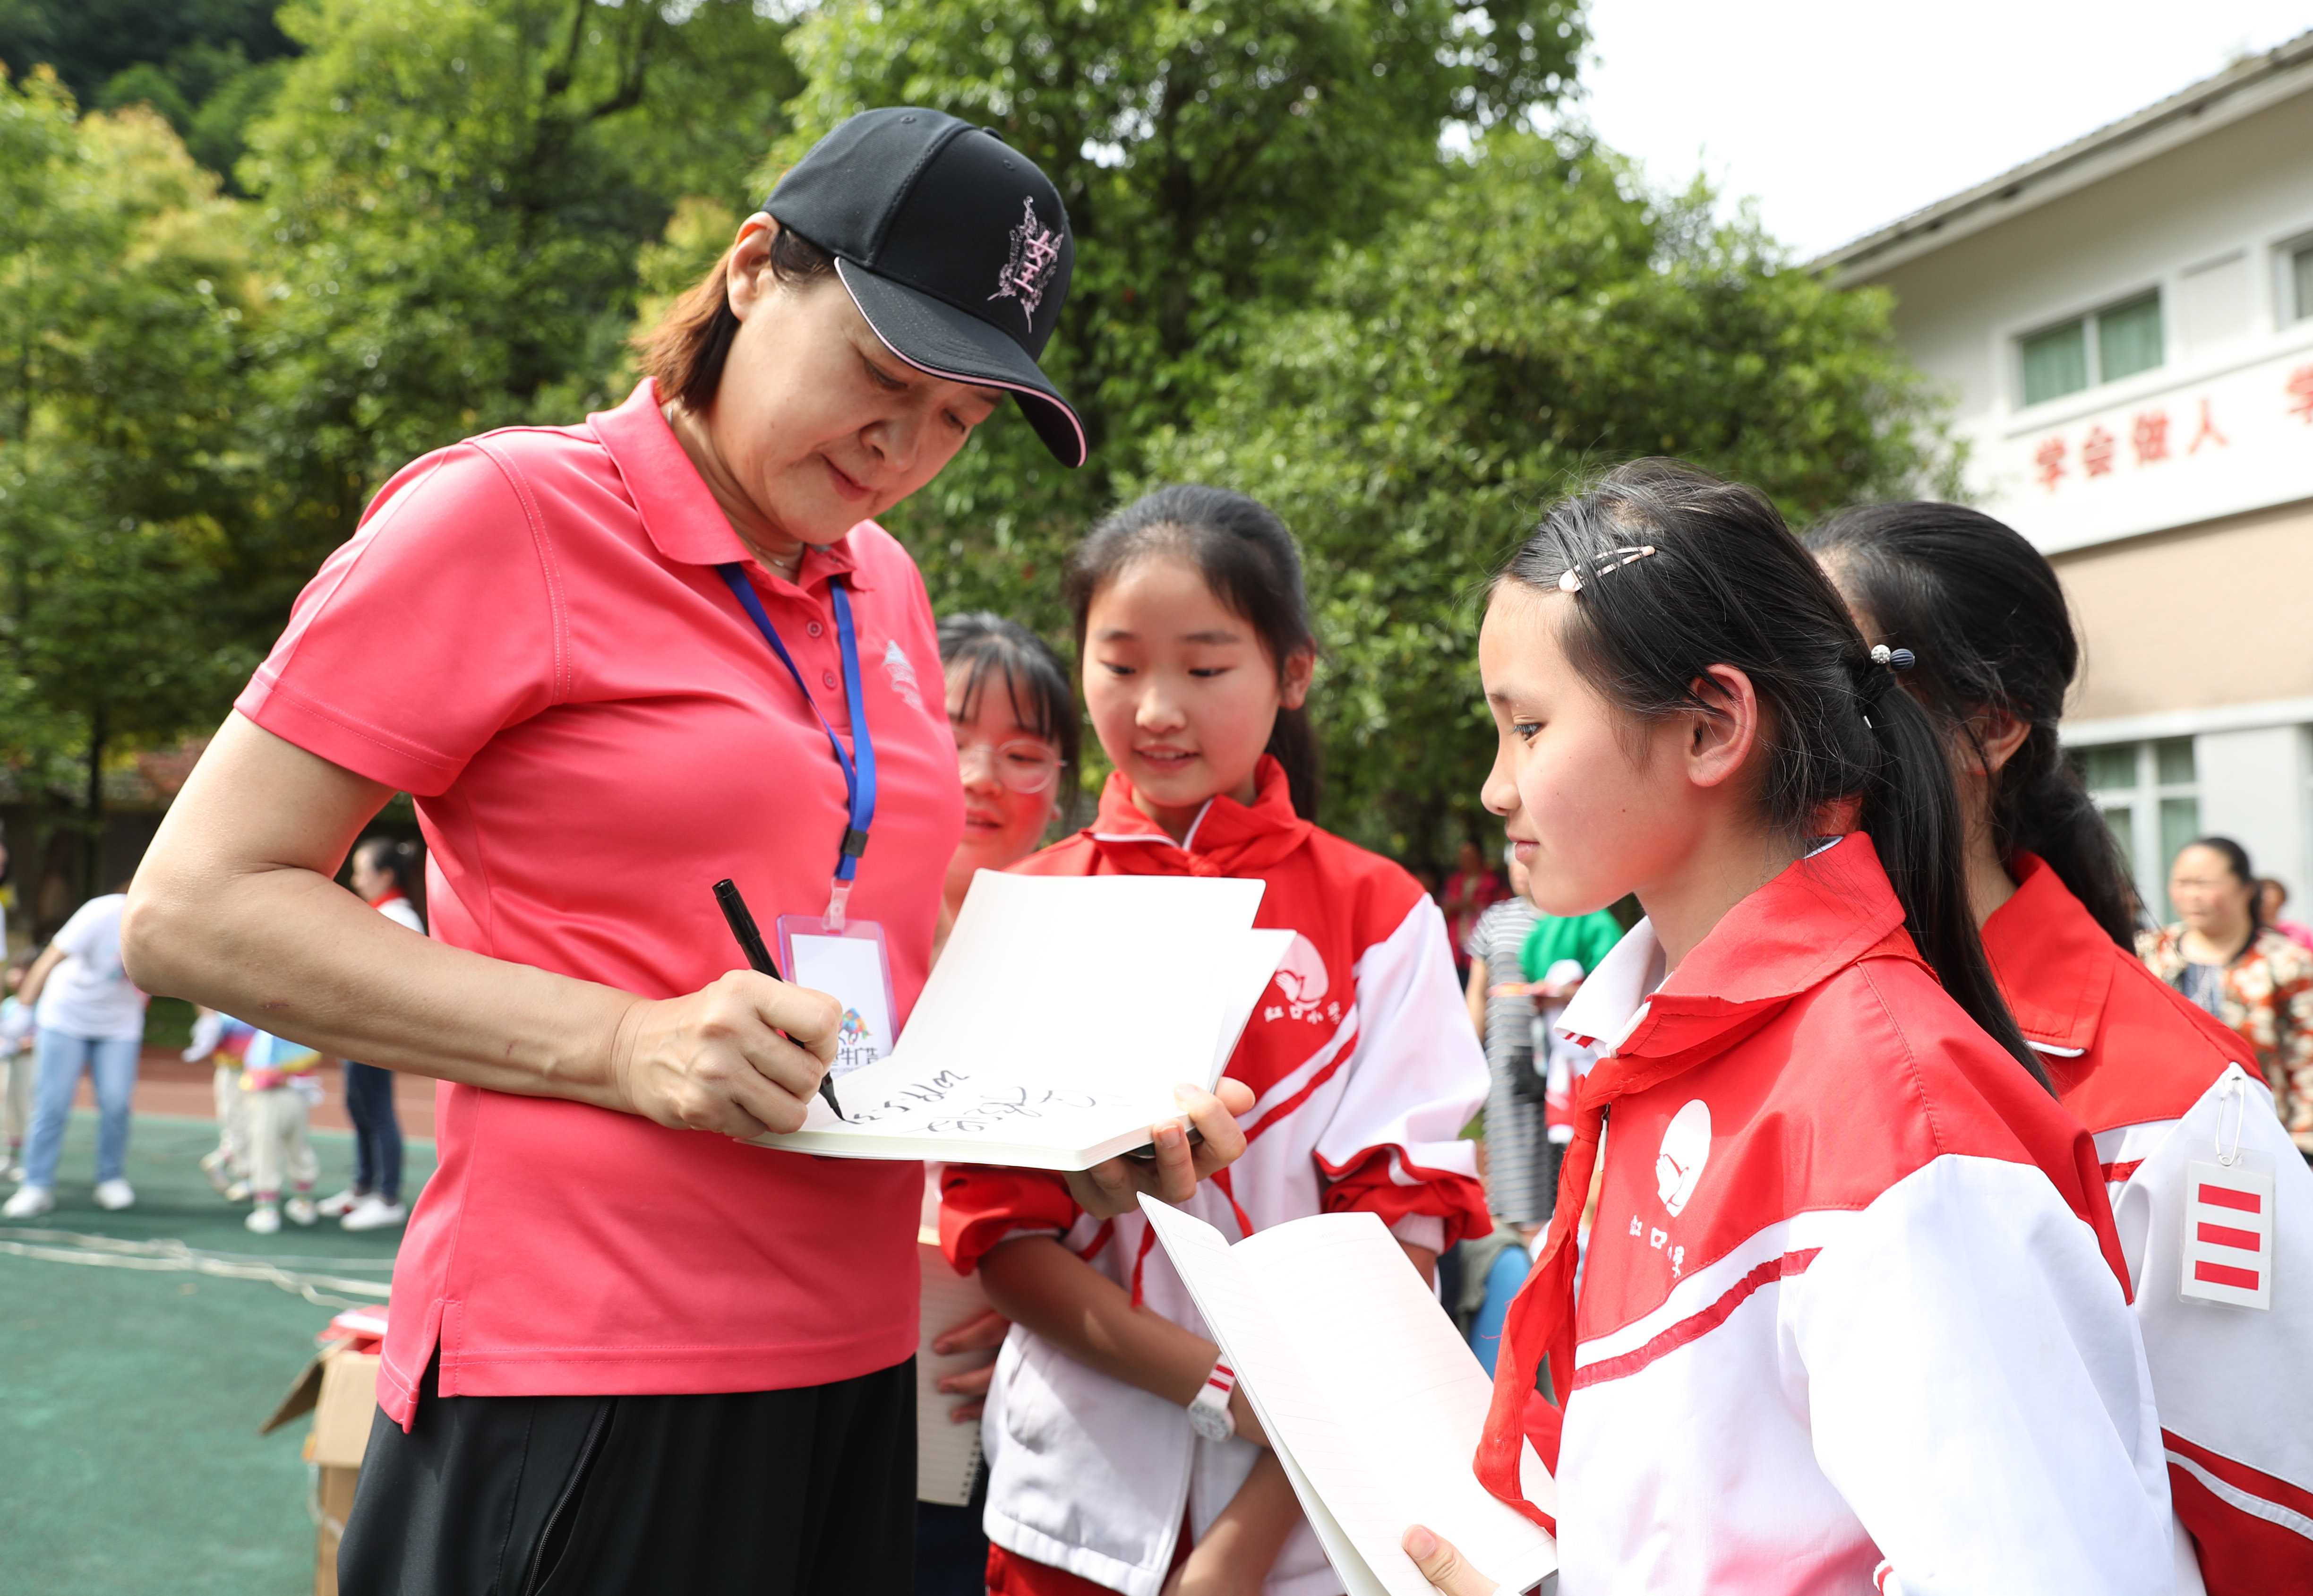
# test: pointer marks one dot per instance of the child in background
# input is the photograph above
(225, 1165)
(17, 1067)
(1853, 1313)
(278, 1088)
(1121, 1456)
(385, 872)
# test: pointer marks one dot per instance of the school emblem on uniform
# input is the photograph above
(1036, 254)
(902, 671)
(1303, 981)
(1685, 1149)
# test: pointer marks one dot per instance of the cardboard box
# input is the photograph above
(339, 1388)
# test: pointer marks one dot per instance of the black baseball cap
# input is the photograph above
(955, 247)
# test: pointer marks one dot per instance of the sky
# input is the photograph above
(1839, 116)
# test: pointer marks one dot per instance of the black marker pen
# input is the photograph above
(760, 960)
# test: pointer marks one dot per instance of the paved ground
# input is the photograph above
(130, 1397)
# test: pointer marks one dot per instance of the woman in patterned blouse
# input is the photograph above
(2223, 956)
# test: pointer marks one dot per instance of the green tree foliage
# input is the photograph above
(451, 198)
(1210, 153)
(1539, 316)
(122, 275)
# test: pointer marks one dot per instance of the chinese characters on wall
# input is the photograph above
(2151, 438)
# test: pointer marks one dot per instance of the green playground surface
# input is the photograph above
(136, 1367)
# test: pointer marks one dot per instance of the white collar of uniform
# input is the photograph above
(1613, 999)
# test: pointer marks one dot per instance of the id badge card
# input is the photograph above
(2228, 1234)
(851, 966)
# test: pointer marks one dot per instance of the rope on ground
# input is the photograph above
(111, 1252)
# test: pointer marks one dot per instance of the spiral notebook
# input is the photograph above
(1063, 1013)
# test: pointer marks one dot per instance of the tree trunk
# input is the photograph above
(92, 808)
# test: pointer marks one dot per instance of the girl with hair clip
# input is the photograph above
(2160, 1085)
(1121, 1458)
(1851, 1315)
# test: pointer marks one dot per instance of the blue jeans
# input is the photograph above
(377, 1130)
(112, 1062)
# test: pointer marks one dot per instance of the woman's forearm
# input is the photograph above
(234, 908)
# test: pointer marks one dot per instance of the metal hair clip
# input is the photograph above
(1569, 580)
(1895, 659)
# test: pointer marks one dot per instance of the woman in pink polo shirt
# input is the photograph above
(615, 663)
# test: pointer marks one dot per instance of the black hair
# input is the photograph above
(2236, 858)
(1722, 582)
(1983, 612)
(1034, 679)
(1252, 565)
(400, 857)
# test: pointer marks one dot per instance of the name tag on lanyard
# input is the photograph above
(833, 952)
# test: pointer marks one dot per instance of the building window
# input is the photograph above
(2301, 283)
(2114, 342)
(2150, 795)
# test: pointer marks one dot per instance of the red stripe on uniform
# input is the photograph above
(2120, 1174)
(2226, 1274)
(2224, 1197)
(2226, 1236)
(1697, 1325)
(2241, 1476)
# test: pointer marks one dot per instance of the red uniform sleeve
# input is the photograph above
(423, 636)
(1393, 1146)
(980, 1205)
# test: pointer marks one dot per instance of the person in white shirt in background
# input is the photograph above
(87, 1017)
(383, 872)
(16, 1063)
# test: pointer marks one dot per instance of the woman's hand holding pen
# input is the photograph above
(716, 1060)
(1106, 1190)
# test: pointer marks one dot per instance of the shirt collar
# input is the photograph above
(679, 513)
(1822, 913)
(2053, 961)
(1226, 838)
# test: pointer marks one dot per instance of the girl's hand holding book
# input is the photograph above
(1108, 1189)
(1443, 1566)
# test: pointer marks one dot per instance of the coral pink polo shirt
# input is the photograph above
(528, 634)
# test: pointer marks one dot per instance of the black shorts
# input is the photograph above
(792, 1493)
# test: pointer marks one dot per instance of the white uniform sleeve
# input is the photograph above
(401, 912)
(1977, 1391)
(1417, 1075)
(2234, 1384)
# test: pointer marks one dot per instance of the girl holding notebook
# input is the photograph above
(1853, 1312)
(2160, 1084)
(1121, 1458)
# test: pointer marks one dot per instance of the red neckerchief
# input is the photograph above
(1818, 916)
(387, 896)
(1228, 838)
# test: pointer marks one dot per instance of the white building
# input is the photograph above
(2126, 325)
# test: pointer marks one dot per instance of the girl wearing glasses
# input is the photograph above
(1015, 727)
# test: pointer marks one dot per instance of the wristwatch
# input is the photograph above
(1208, 1409)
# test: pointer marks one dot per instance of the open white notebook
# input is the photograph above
(1062, 1014)
(1372, 1401)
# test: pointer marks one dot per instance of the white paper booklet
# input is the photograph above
(1373, 1402)
(947, 1454)
(1062, 1014)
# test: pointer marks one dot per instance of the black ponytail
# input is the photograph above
(1726, 584)
(1986, 617)
(1248, 559)
(400, 859)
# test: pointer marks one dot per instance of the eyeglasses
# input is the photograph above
(1023, 764)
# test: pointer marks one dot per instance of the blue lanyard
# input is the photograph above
(859, 774)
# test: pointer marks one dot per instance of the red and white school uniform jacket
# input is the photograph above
(1851, 1316)
(1364, 1070)
(2161, 1085)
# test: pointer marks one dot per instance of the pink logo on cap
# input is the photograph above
(1035, 252)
